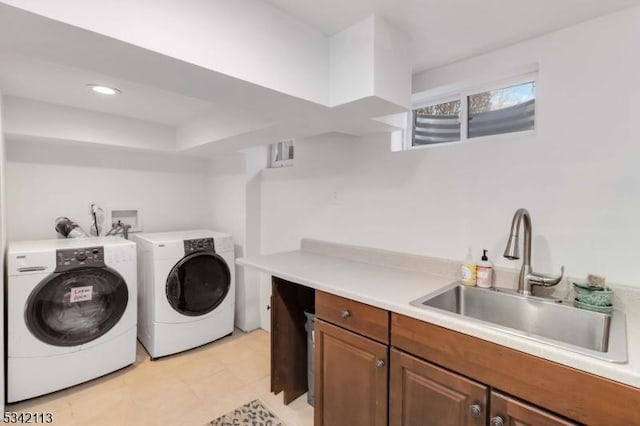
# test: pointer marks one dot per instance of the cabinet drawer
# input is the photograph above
(355, 316)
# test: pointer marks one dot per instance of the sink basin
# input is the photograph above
(549, 321)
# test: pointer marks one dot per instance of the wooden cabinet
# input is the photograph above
(350, 378)
(508, 411)
(571, 393)
(430, 376)
(421, 394)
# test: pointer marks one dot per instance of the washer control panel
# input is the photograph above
(79, 258)
(199, 244)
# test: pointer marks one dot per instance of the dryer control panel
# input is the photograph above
(79, 258)
(199, 244)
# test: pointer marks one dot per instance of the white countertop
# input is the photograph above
(393, 289)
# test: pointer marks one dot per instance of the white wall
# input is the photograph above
(3, 239)
(370, 58)
(393, 62)
(33, 119)
(233, 194)
(578, 174)
(351, 69)
(226, 198)
(295, 201)
(45, 180)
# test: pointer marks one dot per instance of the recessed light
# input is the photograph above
(104, 90)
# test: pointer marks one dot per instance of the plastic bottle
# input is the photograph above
(69, 229)
(484, 271)
(469, 270)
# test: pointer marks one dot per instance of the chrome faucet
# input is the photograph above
(527, 277)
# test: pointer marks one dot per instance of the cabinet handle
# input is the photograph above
(345, 313)
(380, 363)
(476, 410)
(497, 421)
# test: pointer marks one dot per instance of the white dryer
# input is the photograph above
(186, 289)
(71, 312)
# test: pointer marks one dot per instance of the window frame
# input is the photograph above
(462, 94)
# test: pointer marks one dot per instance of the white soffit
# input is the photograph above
(51, 62)
(451, 30)
(32, 78)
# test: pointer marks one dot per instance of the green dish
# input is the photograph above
(588, 286)
(595, 296)
(602, 309)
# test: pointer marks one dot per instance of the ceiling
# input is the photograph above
(53, 62)
(447, 31)
(49, 61)
(45, 81)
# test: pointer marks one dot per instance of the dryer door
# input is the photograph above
(198, 283)
(77, 306)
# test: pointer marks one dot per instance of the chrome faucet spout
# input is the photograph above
(527, 277)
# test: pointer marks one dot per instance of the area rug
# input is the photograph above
(253, 413)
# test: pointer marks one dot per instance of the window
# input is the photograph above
(507, 108)
(436, 123)
(282, 153)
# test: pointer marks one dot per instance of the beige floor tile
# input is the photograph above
(211, 389)
(259, 339)
(53, 403)
(145, 377)
(301, 412)
(297, 413)
(251, 369)
(200, 416)
(126, 414)
(175, 413)
(233, 352)
(98, 405)
(95, 388)
(263, 385)
(64, 417)
(231, 401)
(195, 371)
(190, 389)
(141, 353)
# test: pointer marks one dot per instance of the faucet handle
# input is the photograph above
(545, 280)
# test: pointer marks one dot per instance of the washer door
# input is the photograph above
(198, 283)
(77, 306)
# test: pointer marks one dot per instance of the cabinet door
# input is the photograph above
(423, 394)
(508, 411)
(289, 338)
(350, 378)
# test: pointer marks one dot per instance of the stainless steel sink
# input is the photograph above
(550, 321)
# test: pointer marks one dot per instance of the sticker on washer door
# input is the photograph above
(80, 294)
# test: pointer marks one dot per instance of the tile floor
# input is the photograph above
(190, 388)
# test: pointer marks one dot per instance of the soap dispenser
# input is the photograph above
(484, 272)
(468, 270)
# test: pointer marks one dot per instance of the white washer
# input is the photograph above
(71, 312)
(187, 289)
